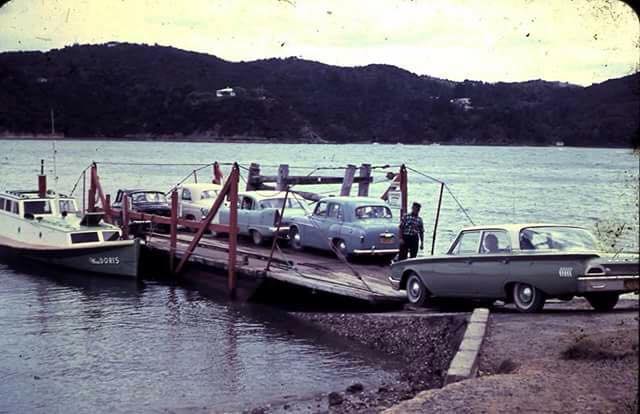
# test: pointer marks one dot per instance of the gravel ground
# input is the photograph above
(566, 359)
(421, 345)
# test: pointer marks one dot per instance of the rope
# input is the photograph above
(448, 190)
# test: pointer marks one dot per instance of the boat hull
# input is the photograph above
(120, 260)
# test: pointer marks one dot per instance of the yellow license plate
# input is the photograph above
(386, 240)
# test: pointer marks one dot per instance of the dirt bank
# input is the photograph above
(422, 345)
(566, 359)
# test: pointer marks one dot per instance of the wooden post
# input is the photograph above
(403, 191)
(217, 174)
(435, 225)
(91, 202)
(283, 174)
(363, 186)
(233, 228)
(84, 191)
(254, 172)
(125, 216)
(107, 210)
(349, 173)
(173, 238)
(195, 176)
(206, 222)
(275, 239)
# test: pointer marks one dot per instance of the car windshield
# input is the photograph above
(149, 197)
(557, 238)
(209, 194)
(277, 203)
(369, 212)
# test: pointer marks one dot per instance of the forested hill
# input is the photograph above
(126, 90)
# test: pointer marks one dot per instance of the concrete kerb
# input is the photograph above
(465, 362)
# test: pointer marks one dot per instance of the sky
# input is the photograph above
(576, 41)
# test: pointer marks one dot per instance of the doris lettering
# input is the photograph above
(104, 260)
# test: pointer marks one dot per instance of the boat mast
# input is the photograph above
(55, 152)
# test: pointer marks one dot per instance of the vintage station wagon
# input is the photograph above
(520, 263)
(352, 225)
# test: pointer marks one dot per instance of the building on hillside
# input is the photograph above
(225, 92)
(463, 103)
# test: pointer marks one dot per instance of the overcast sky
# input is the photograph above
(581, 41)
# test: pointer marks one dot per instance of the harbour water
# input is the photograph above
(73, 343)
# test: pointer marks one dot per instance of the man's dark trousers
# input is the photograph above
(410, 246)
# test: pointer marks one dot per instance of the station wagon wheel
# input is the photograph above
(527, 298)
(295, 239)
(604, 301)
(417, 293)
(257, 237)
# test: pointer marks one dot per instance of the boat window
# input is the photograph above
(495, 242)
(14, 207)
(467, 243)
(369, 212)
(37, 207)
(84, 237)
(1, 203)
(557, 238)
(110, 235)
(186, 194)
(335, 211)
(68, 205)
(7, 205)
(321, 209)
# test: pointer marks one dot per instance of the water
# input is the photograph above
(90, 344)
(99, 344)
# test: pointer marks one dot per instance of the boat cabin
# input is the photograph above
(28, 204)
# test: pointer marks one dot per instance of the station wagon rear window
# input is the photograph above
(369, 212)
(84, 237)
(557, 238)
(37, 207)
(209, 194)
(149, 197)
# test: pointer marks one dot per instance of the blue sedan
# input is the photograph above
(355, 226)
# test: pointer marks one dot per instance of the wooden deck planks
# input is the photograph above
(322, 272)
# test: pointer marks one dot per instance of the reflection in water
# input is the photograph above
(80, 343)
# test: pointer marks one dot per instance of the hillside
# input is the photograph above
(126, 90)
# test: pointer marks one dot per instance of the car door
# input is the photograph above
(315, 232)
(491, 267)
(247, 204)
(452, 277)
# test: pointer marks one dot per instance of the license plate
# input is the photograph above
(386, 240)
(632, 284)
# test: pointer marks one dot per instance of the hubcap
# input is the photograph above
(414, 289)
(526, 294)
(296, 236)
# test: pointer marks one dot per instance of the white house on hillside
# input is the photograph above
(225, 92)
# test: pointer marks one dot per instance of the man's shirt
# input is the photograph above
(411, 225)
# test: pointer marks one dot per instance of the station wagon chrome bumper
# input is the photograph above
(620, 283)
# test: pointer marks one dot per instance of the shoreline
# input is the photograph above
(421, 344)
(261, 140)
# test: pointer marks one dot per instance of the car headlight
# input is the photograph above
(204, 211)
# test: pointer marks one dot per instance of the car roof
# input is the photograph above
(359, 201)
(515, 227)
(264, 194)
(201, 186)
(141, 190)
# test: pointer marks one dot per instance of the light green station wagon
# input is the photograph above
(520, 263)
